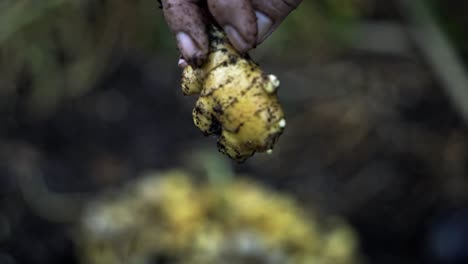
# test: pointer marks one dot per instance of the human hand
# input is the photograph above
(247, 23)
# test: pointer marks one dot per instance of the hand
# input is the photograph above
(246, 22)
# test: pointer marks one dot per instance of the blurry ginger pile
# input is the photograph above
(166, 218)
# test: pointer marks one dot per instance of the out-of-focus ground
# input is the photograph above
(374, 95)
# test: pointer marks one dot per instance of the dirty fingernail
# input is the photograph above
(186, 46)
(236, 39)
(264, 24)
(182, 63)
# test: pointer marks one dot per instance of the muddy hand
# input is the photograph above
(246, 22)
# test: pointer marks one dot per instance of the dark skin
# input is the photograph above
(247, 23)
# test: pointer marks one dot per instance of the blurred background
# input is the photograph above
(375, 95)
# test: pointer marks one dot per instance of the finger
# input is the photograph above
(185, 19)
(238, 21)
(270, 14)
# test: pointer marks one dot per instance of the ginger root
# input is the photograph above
(237, 101)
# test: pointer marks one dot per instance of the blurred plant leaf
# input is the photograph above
(324, 25)
(58, 49)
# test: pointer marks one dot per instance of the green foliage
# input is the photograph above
(323, 25)
(453, 21)
(59, 48)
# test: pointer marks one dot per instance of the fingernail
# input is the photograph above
(264, 24)
(182, 63)
(186, 46)
(236, 39)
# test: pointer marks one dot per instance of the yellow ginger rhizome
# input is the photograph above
(237, 100)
